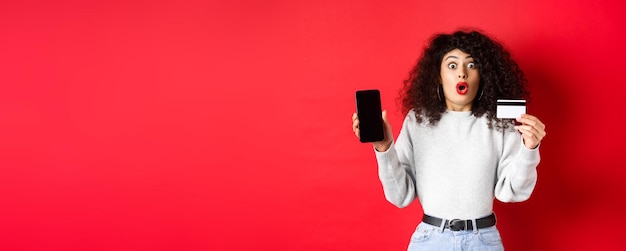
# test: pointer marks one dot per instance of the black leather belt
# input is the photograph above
(458, 225)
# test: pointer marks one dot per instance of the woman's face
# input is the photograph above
(460, 79)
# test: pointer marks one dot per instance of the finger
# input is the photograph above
(387, 125)
(531, 120)
(530, 139)
(525, 131)
(530, 133)
(534, 123)
(526, 128)
(526, 119)
(355, 125)
(386, 119)
(354, 117)
(538, 131)
(357, 132)
(528, 116)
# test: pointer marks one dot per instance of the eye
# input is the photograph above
(471, 65)
(452, 65)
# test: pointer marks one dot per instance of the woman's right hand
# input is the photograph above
(380, 146)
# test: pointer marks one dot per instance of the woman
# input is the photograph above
(452, 153)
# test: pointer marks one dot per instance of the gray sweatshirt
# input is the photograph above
(457, 167)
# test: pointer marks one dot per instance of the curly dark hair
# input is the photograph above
(500, 77)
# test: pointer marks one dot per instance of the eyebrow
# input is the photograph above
(455, 57)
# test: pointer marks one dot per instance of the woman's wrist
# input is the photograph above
(382, 146)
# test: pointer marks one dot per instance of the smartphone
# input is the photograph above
(369, 110)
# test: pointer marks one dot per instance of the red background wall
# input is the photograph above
(194, 125)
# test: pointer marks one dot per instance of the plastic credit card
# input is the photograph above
(510, 108)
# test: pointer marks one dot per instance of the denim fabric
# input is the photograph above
(429, 237)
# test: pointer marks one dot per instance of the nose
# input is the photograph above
(462, 73)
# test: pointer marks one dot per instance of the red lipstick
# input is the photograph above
(461, 88)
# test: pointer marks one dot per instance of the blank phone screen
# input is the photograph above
(369, 110)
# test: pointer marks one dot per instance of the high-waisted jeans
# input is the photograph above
(429, 237)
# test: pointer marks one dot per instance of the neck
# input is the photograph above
(458, 108)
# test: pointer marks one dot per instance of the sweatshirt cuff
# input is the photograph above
(529, 156)
(384, 156)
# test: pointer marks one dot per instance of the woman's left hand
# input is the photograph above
(533, 131)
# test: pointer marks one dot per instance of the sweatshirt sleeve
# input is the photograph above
(396, 168)
(517, 170)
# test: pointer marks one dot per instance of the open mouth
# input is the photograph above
(461, 88)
